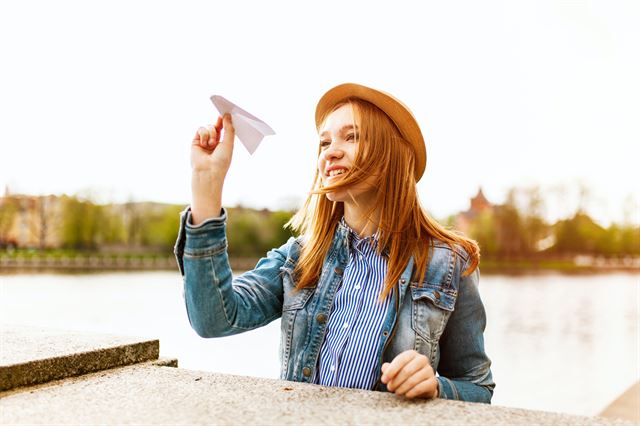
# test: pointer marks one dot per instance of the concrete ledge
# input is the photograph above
(147, 394)
(30, 356)
(166, 362)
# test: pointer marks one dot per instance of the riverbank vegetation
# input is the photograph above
(512, 236)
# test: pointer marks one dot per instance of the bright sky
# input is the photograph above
(103, 98)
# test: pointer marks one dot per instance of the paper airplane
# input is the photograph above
(249, 128)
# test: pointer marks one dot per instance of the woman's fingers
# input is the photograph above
(213, 136)
(410, 369)
(218, 127)
(410, 374)
(226, 145)
(197, 137)
(427, 388)
(415, 375)
(229, 131)
(208, 137)
(202, 137)
(396, 365)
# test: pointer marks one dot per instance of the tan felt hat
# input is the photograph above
(393, 107)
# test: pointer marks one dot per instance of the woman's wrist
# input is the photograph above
(200, 214)
(206, 199)
(206, 179)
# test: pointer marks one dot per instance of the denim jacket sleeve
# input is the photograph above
(464, 368)
(218, 304)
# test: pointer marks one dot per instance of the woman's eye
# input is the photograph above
(351, 137)
(324, 144)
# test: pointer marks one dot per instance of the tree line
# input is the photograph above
(517, 229)
(74, 223)
(514, 229)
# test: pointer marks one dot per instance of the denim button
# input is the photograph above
(321, 318)
(402, 281)
(385, 333)
(306, 371)
(436, 294)
(338, 270)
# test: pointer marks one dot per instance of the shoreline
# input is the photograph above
(110, 263)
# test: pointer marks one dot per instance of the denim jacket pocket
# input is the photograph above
(431, 307)
(295, 322)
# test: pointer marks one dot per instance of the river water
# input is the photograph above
(558, 342)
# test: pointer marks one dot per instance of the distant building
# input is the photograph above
(29, 221)
(478, 204)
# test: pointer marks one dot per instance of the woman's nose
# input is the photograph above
(333, 152)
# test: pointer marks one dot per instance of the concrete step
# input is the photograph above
(31, 355)
(147, 394)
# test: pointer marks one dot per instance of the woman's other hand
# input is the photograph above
(411, 375)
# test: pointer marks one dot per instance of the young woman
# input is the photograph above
(373, 294)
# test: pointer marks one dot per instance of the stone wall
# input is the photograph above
(95, 379)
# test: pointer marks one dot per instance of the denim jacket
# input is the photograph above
(441, 317)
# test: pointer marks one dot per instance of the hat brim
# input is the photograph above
(394, 108)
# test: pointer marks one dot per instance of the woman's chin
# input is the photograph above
(336, 196)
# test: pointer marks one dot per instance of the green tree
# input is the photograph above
(81, 220)
(278, 234)
(112, 228)
(509, 228)
(534, 226)
(484, 231)
(133, 218)
(630, 240)
(251, 233)
(244, 233)
(580, 234)
(159, 229)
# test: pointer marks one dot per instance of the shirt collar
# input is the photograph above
(354, 239)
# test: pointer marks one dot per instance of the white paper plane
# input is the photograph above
(249, 128)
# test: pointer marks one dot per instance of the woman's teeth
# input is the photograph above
(336, 172)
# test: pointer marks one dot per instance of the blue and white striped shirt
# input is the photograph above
(348, 353)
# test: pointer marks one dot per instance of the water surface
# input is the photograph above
(557, 342)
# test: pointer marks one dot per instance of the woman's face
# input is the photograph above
(338, 149)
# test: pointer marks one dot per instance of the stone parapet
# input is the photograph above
(145, 392)
(29, 356)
